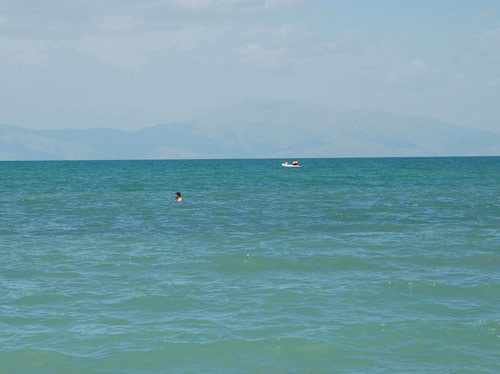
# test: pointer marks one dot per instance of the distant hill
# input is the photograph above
(259, 129)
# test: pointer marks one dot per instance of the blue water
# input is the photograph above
(342, 266)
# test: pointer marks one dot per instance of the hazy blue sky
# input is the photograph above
(130, 64)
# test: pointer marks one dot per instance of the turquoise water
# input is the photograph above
(342, 266)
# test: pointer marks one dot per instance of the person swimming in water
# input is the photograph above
(178, 196)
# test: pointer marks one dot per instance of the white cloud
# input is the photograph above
(351, 42)
(493, 83)
(4, 20)
(131, 51)
(278, 35)
(296, 43)
(411, 73)
(194, 4)
(269, 47)
(26, 51)
(489, 43)
(120, 24)
(256, 53)
(248, 4)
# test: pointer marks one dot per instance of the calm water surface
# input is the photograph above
(342, 266)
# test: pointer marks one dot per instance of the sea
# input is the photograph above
(376, 265)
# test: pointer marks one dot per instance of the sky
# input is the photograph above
(129, 64)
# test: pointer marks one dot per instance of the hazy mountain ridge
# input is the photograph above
(258, 129)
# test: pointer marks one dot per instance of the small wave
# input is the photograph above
(38, 361)
(445, 291)
(482, 260)
(159, 303)
(42, 299)
(251, 263)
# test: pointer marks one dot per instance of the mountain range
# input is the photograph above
(258, 129)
